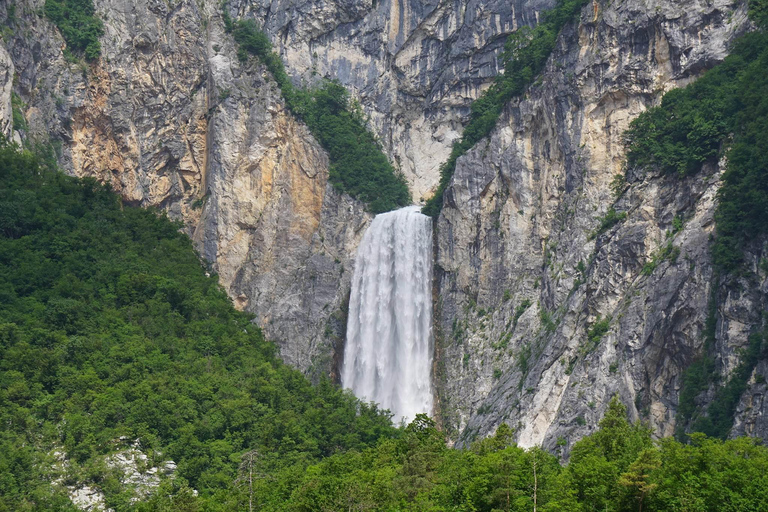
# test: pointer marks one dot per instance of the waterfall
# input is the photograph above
(388, 353)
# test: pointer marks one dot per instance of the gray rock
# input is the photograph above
(171, 118)
(415, 65)
(520, 222)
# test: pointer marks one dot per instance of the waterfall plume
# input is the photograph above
(388, 353)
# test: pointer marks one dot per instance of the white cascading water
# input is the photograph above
(388, 354)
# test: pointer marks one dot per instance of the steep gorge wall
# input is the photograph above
(520, 226)
(414, 65)
(172, 119)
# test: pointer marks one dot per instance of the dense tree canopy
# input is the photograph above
(109, 327)
(617, 468)
(79, 25)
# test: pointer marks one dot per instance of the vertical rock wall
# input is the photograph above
(172, 119)
(524, 274)
(414, 65)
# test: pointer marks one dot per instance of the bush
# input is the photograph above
(611, 218)
(720, 412)
(758, 12)
(17, 106)
(667, 253)
(519, 310)
(78, 24)
(598, 330)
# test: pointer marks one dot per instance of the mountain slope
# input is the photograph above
(110, 329)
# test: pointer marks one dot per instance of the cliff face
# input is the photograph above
(525, 278)
(170, 118)
(414, 65)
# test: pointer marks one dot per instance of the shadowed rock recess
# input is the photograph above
(540, 316)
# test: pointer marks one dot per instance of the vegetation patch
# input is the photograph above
(720, 412)
(525, 54)
(547, 322)
(668, 252)
(611, 218)
(503, 341)
(110, 327)
(597, 331)
(78, 24)
(359, 166)
(618, 467)
(17, 111)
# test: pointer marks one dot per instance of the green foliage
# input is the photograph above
(547, 322)
(598, 330)
(709, 475)
(109, 327)
(78, 24)
(503, 341)
(701, 373)
(611, 218)
(720, 412)
(523, 358)
(358, 164)
(618, 185)
(519, 310)
(17, 109)
(758, 12)
(668, 252)
(677, 225)
(725, 112)
(525, 54)
(598, 461)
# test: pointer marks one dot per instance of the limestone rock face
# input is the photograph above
(171, 118)
(6, 88)
(542, 317)
(414, 65)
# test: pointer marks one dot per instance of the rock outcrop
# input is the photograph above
(6, 90)
(542, 316)
(415, 65)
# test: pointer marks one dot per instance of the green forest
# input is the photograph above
(110, 327)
